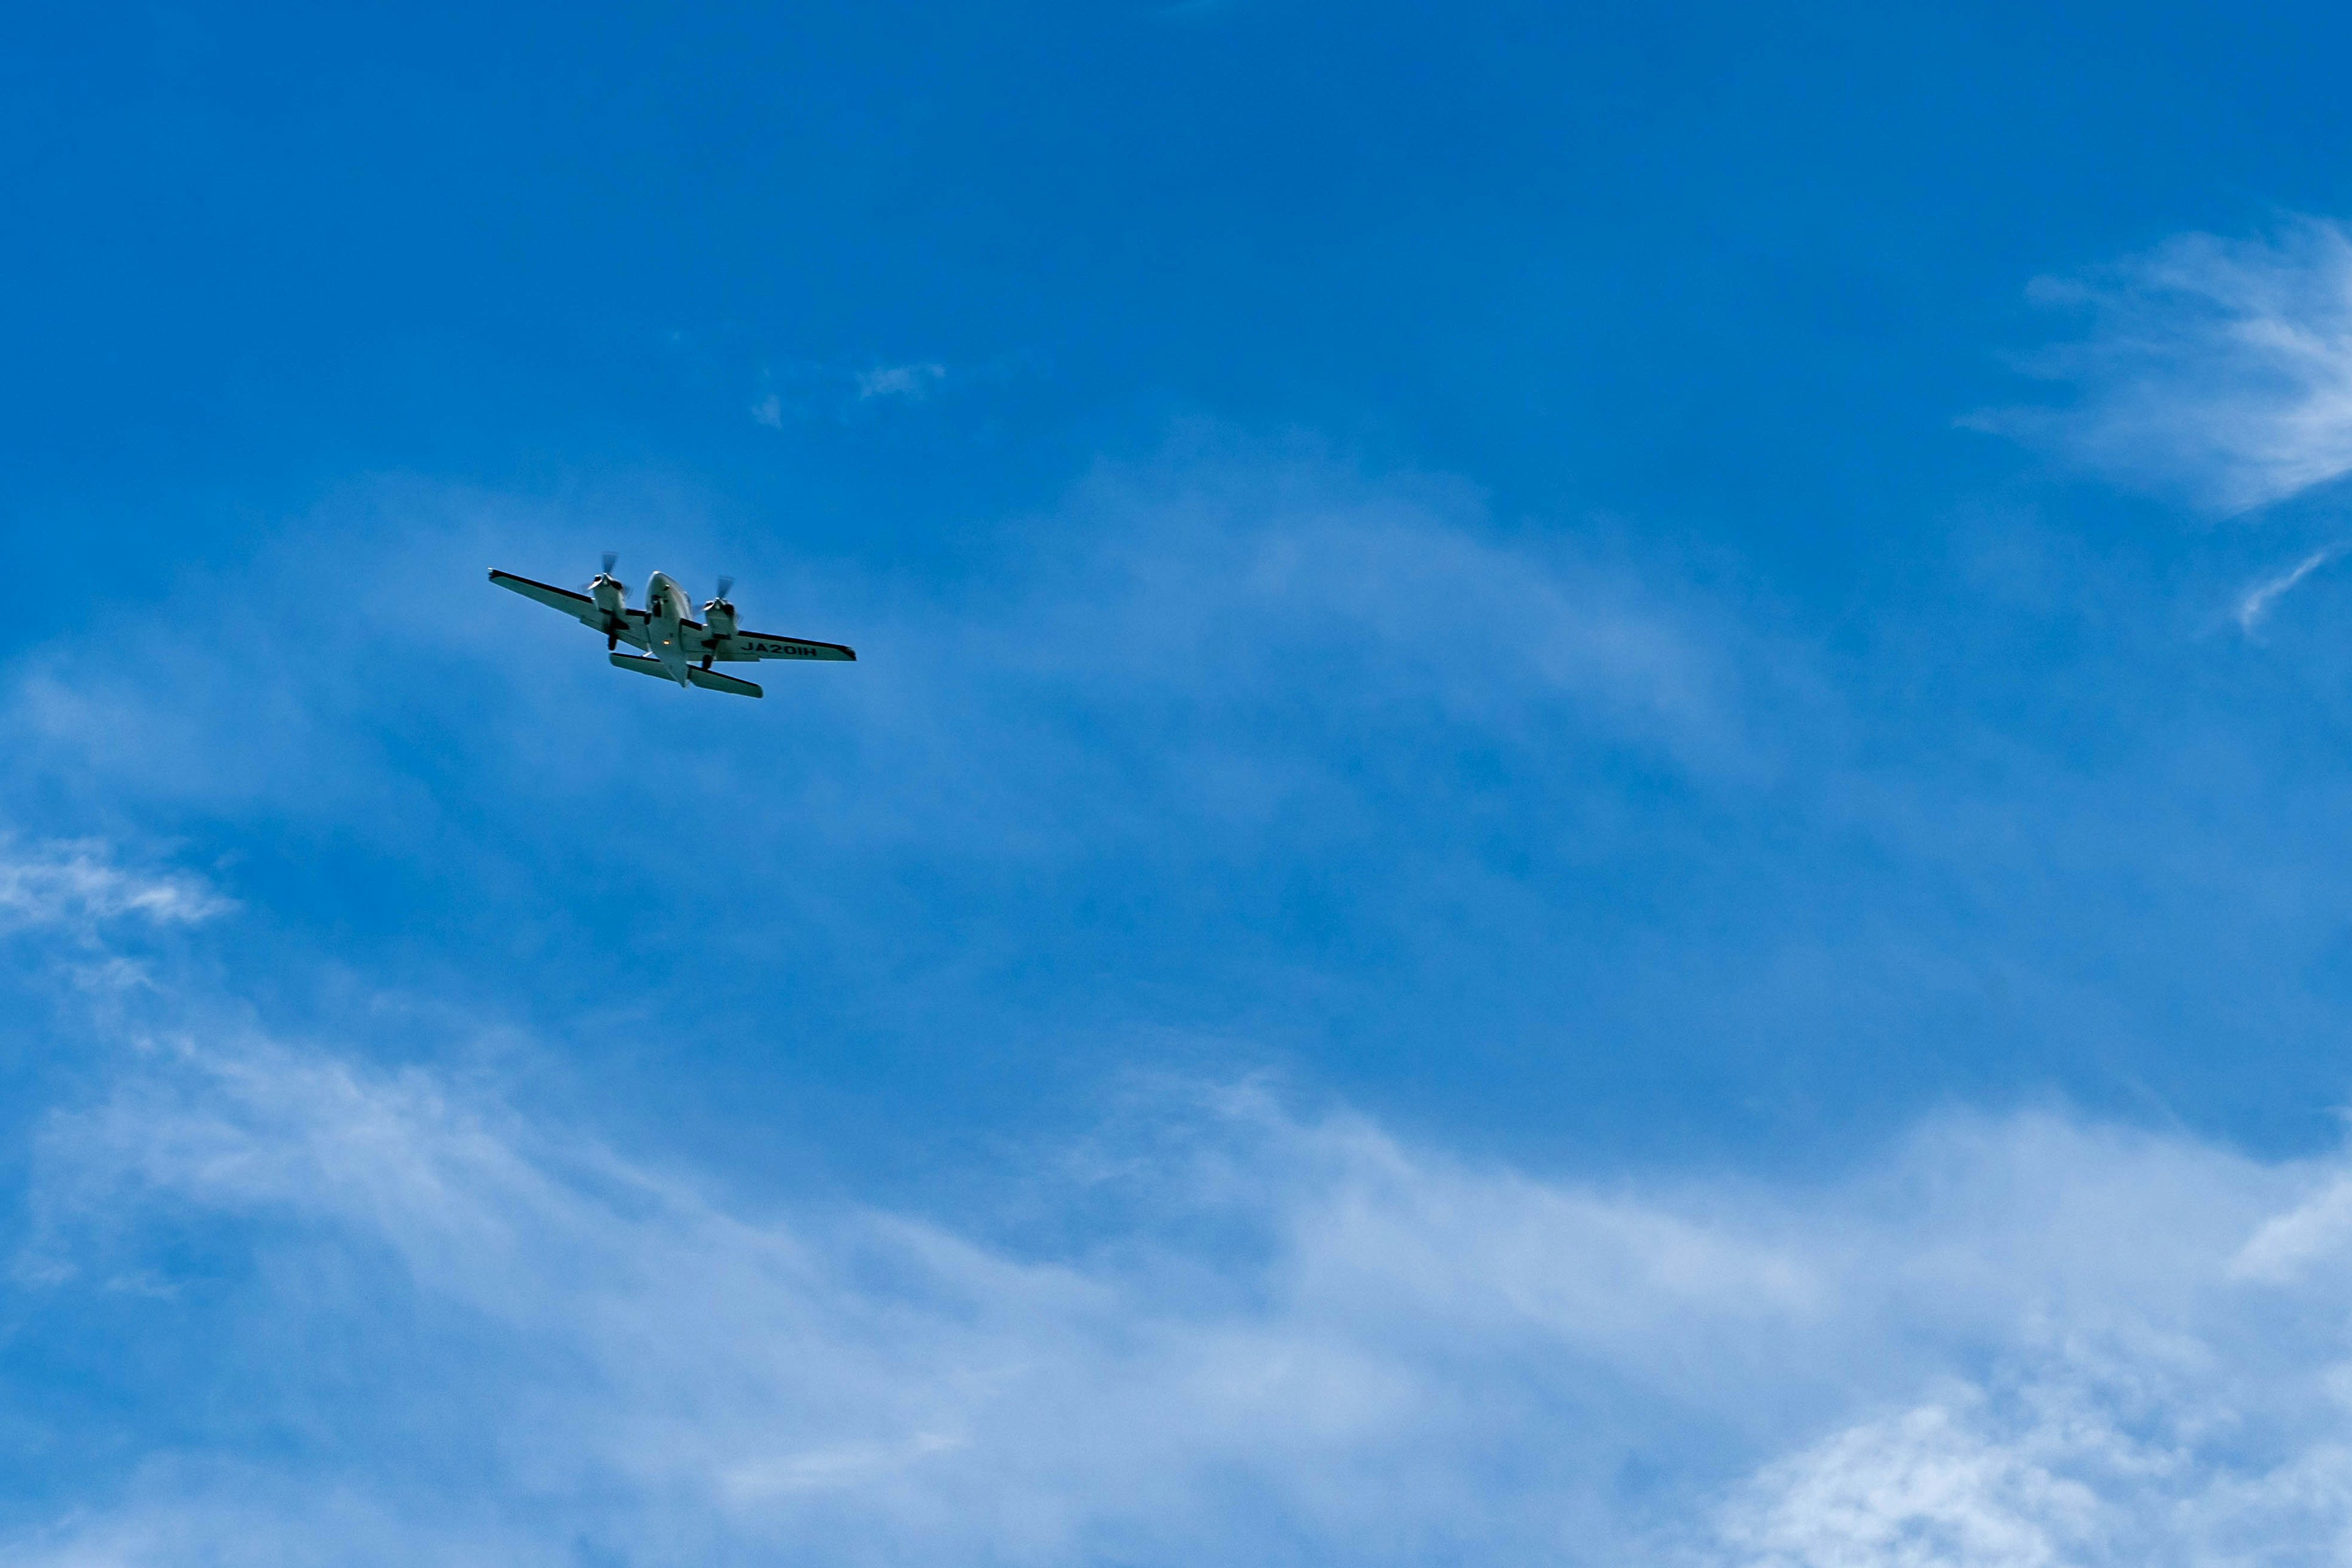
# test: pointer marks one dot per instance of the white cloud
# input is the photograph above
(769, 411)
(913, 382)
(77, 885)
(2220, 370)
(1925, 1487)
(2069, 1466)
(2011, 1343)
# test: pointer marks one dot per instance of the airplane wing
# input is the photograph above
(741, 647)
(580, 606)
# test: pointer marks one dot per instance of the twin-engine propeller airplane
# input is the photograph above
(683, 648)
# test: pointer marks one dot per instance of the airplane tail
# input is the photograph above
(708, 679)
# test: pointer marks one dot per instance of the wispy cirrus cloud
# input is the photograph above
(791, 391)
(81, 885)
(1247, 633)
(2254, 604)
(456, 1328)
(2214, 369)
(913, 381)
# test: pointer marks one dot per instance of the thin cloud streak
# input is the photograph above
(2257, 601)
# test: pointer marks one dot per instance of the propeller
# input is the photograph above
(726, 586)
(612, 558)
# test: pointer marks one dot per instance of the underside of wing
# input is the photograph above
(579, 606)
(741, 647)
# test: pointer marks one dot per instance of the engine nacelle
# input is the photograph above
(719, 616)
(609, 591)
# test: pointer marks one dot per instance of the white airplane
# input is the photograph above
(666, 629)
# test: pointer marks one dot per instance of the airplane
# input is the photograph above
(666, 629)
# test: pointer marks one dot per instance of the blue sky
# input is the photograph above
(1593, 809)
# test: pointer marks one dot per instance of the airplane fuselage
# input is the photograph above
(668, 618)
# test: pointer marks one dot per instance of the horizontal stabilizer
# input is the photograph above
(651, 667)
(711, 681)
(708, 679)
